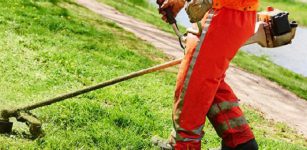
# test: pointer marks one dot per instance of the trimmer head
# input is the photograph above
(34, 124)
(5, 127)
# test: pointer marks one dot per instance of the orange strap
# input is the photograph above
(243, 5)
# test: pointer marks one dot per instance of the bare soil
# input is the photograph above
(272, 100)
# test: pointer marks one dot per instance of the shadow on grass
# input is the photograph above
(20, 135)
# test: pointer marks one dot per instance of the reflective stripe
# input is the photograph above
(236, 122)
(192, 64)
(199, 130)
(221, 128)
(177, 137)
(214, 110)
(217, 108)
(178, 111)
(233, 123)
(190, 70)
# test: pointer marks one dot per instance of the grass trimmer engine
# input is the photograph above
(278, 30)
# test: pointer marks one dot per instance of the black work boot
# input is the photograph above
(249, 145)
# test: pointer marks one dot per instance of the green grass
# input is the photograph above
(264, 67)
(142, 10)
(259, 65)
(296, 8)
(50, 47)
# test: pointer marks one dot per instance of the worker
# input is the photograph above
(201, 89)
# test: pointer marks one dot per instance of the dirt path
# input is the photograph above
(264, 95)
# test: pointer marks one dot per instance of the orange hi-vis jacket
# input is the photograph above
(243, 5)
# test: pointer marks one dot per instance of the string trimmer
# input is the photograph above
(273, 30)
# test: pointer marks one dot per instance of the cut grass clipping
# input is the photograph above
(51, 47)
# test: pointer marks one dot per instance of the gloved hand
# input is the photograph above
(196, 9)
(175, 5)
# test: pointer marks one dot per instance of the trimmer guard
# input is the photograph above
(35, 125)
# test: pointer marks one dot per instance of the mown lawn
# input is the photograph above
(51, 47)
(258, 65)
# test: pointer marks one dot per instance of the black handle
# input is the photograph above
(169, 13)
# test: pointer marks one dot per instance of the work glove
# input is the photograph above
(175, 5)
(196, 9)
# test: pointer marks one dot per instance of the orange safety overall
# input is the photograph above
(201, 89)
